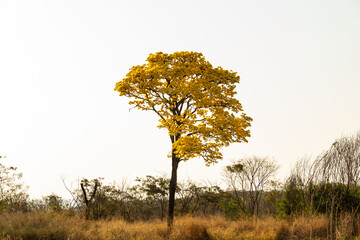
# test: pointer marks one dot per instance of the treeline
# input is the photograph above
(148, 197)
(329, 186)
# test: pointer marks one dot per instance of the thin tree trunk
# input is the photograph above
(172, 188)
(311, 216)
(332, 218)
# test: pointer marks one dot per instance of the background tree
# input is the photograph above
(339, 169)
(249, 178)
(89, 189)
(187, 196)
(329, 185)
(210, 198)
(156, 190)
(54, 202)
(13, 193)
(300, 189)
(114, 200)
(195, 103)
(273, 198)
(341, 163)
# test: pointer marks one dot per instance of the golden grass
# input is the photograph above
(62, 226)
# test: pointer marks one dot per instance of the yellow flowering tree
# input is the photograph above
(194, 101)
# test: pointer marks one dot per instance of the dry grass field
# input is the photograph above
(63, 226)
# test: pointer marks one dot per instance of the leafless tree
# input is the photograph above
(75, 202)
(341, 165)
(248, 178)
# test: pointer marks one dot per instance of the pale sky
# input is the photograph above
(299, 64)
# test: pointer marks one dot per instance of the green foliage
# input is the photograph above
(235, 168)
(210, 200)
(153, 187)
(293, 201)
(273, 198)
(346, 199)
(326, 197)
(231, 208)
(54, 202)
(155, 191)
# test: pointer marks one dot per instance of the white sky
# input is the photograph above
(299, 63)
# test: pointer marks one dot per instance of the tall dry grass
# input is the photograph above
(63, 226)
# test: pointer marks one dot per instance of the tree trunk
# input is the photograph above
(172, 188)
(88, 201)
(332, 220)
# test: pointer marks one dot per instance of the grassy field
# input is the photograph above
(47, 225)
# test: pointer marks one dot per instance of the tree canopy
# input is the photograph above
(195, 102)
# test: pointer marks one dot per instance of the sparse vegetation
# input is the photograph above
(317, 201)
